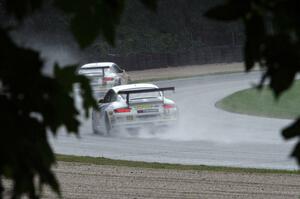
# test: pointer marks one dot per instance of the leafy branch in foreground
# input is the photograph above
(33, 103)
(272, 29)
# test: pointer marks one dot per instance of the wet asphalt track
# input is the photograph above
(205, 135)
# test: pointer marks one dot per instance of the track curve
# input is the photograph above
(205, 135)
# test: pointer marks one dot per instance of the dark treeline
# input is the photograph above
(177, 34)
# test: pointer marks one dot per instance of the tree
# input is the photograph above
(32, 103)
(272, 29)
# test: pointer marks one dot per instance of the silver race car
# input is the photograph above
(134, 106)
(103, 76)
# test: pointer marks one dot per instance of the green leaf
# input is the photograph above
(85, 33)
(91, 18)
(281, 59)
(292, 131)
(248, 55)
(67, 77)
(255, 31)
(232, 10)
(296, 153)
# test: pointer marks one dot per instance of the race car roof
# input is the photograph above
(133, 87)
(98, 65)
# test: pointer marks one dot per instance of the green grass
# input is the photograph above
(154, 165)
(263, 103)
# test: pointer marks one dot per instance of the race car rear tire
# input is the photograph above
(107, 127)
(95, 122)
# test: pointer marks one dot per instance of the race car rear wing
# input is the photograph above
(95, 68)
(128, 92)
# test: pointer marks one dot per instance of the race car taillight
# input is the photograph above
(107, 79)
(169, 106)
(122, 110)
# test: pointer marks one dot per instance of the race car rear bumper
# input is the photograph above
(144, 124)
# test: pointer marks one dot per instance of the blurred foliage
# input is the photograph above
(177, 26)
(272, 30)
(92, 17)
(88, 18)
(33, 103)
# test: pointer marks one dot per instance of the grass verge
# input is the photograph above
(262, 103)
(154, 165)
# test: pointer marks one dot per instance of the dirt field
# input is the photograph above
(92, 181)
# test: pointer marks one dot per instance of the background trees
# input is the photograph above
(175, 34)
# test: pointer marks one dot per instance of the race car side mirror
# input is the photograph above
(101, 101)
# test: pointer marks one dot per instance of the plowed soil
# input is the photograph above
(95, 181)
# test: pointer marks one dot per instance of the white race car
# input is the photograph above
(134, 106)
(103, 76)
